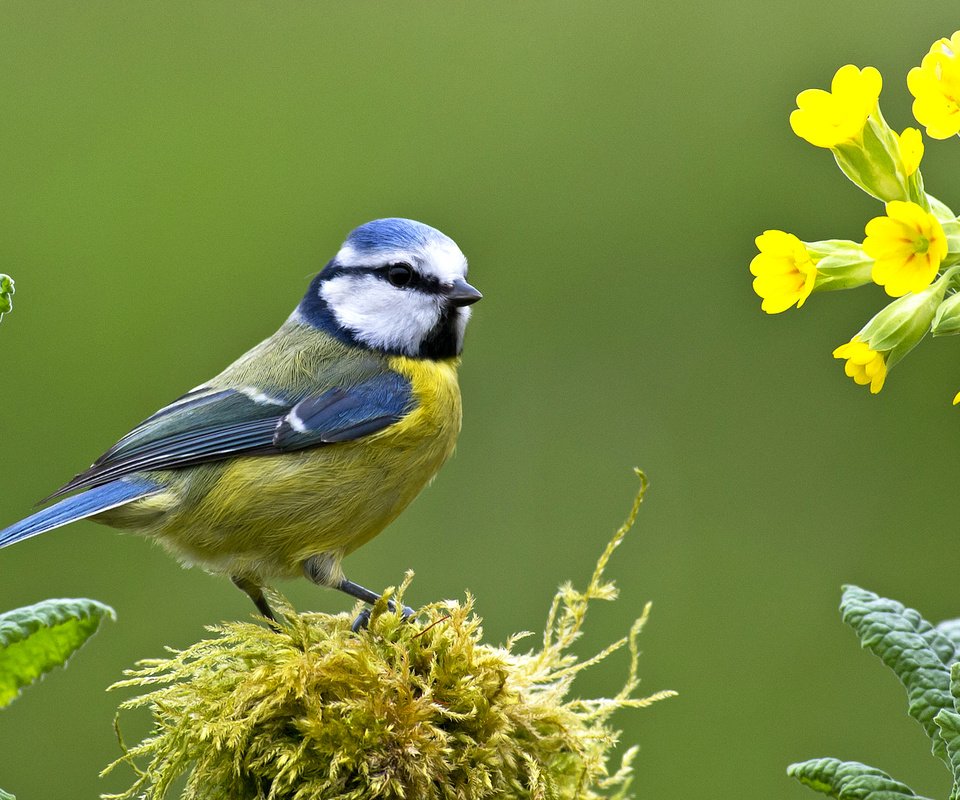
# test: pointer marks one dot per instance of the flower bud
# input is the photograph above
(899, 327)
(947, 319)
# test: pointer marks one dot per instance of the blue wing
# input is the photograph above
(214, 425)
(79, 506)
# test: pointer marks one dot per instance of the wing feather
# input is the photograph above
(228, 423)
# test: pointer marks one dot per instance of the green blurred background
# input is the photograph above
(172, 173)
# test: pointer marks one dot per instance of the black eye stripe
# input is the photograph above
(424, 283)
(412, 279)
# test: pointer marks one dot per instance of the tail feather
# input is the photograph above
(80, 506)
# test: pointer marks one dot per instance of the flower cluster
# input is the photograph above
(912, 250)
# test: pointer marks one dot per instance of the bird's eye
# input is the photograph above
(400, 274)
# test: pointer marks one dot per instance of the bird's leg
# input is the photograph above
(255, 592)
(324, 571)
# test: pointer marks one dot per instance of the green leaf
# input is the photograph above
(918, 654)
(37, 638)
(949, 724)
(849, 780)
(6, 300)
(5, 796)
(951, 629)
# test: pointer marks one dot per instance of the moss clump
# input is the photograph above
(417, 711)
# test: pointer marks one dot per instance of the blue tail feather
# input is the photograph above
(80, 506)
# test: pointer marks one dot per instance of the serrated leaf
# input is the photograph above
(951, 629)
(949, 724)
(37, 638)
(918, 654)
(849, 780)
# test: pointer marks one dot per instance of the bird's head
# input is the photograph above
(396, 286)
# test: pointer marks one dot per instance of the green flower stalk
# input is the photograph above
(841, 264)
(424, 710)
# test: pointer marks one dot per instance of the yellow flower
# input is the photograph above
(785, 272)
(892, 333)
(827, 119)
(864, 365)
(936, 86)
(911, 149)
(907, 246)
(956, 398)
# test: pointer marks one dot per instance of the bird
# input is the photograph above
(310, 443)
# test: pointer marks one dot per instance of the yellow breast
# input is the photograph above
(438, 411)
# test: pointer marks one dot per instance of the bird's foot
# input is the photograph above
(363, 618)
(361, 622)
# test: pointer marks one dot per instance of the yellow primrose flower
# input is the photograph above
(892, 333)
(826, 119)
(911, 149)
(935, 85)
(785, 272)
(907, 246)
(864, 365)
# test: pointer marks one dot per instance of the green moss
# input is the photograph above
(419, 711)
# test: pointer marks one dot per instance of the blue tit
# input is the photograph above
(311, 443)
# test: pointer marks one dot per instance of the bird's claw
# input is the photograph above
(361, 622)
(363, 618)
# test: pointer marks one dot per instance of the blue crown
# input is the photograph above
(391, 234)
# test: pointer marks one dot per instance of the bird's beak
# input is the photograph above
(461, 293)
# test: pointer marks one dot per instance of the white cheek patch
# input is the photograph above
(380, 315)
